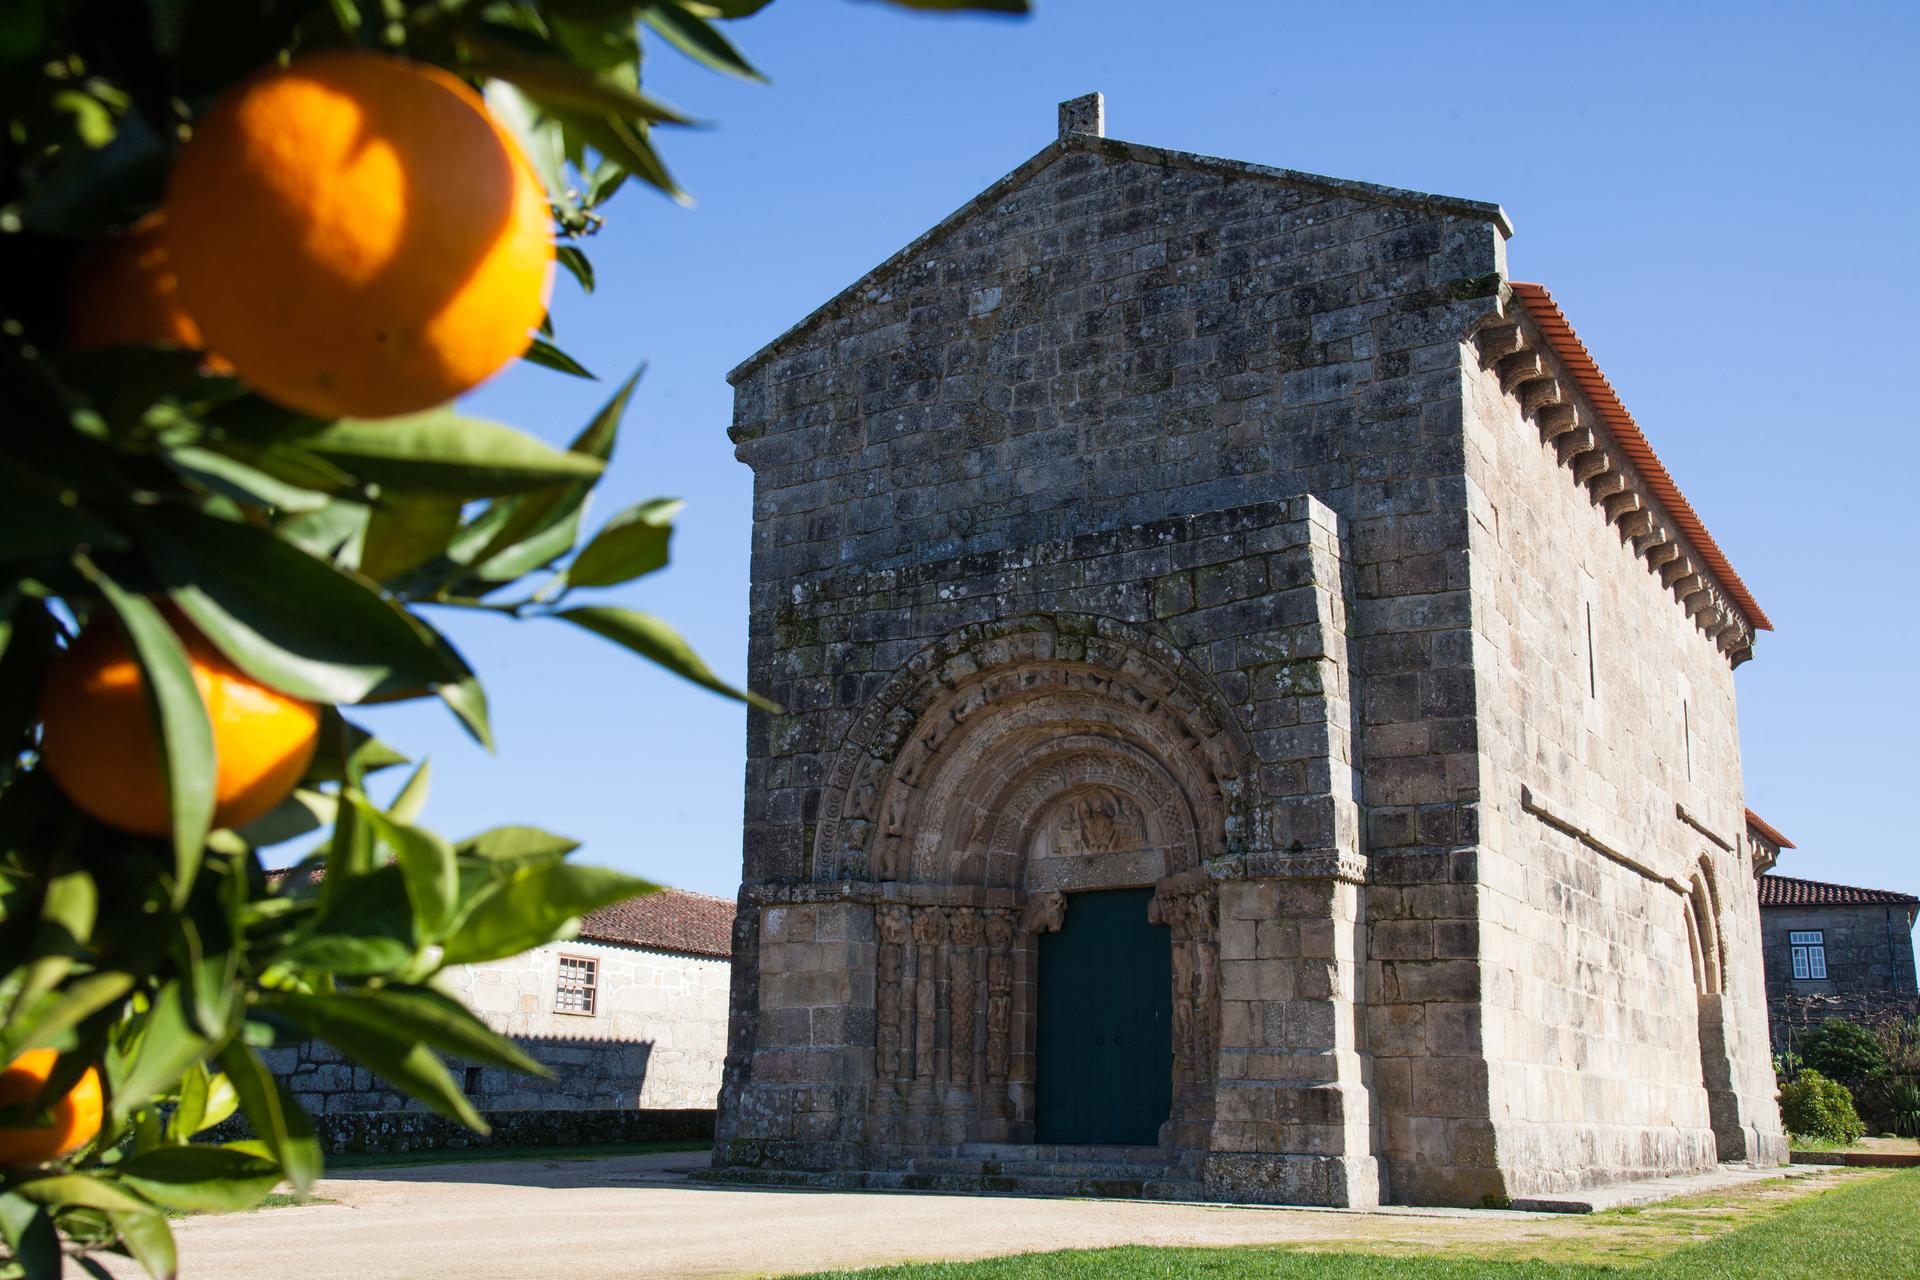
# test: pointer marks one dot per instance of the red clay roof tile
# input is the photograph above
(1786, 891)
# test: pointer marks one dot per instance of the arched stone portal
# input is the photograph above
(1047, 758)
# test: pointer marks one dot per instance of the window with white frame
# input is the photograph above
(579, 985)
(1809, 954)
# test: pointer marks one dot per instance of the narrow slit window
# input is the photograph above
(472, 1082)
(1686, 727)
(1809, 954)
(1593, 675)
(579, 985)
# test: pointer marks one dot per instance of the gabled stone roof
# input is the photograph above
(670, 920)
(1114, 149)
(1786, 891)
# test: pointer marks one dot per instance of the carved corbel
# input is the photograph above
(1608, 484)
(1524, 367)
(1496, 342)
(1594, 462)
(1045, 913)
(1555, 420)
(1620, 506)
(1574, 443)
(1539, 393)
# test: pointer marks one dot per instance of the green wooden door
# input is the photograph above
(1104, 1052)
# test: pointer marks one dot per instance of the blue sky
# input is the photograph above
(1721, 197)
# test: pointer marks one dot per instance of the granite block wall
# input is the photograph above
(1611, 785)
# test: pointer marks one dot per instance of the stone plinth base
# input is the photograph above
(1251, 1177)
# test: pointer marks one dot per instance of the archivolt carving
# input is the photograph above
(934, 762)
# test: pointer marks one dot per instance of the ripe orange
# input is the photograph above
(99, 741)
(124, 293)
(358, 236)
(76, 1116)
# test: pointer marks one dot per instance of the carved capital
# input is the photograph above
(1045, 913)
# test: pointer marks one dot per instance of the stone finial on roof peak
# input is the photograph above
(1084, 114)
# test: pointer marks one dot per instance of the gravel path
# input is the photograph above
(631, 1217)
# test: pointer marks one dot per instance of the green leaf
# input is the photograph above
(516, 844)
(426, 860)
(276, 1118)
(412, 797)
(624, 143)
(291, 621)
(79, 1190)
(173, 702)
(58, 1012)
(404, 531)
(241, 482)
(697, 38)
(301, 813)
(167, 1045)
(222, 1101)
(190, 1113)
(367, 926)
(404, 1013)
(532, 904)
(28, 1230)
(396, 1057)
(575, 260)
(442, 452)
(150, 1240)
(542, 352)
(551, 80)
(535, 529)
(201, 1179)
(631, 545)
(654, 639)
(543, 144)
(67, 913)
(322, 533)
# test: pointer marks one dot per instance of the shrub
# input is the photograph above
(1844, 1051)
(1891, 1105)
(1816, 1107)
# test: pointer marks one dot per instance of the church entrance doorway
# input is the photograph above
(1104, 1044)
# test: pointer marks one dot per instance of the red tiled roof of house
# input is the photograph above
(1768, 831)
(1633, 442)
(1786, 891)
(670, 920)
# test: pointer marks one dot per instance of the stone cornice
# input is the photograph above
(1512, 347)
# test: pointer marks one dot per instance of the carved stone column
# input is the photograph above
(964, 930)
(929, 933)
(892, 923)
(1186, 904)
(996, 1108)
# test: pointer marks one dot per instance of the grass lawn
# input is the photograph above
(346, 1161)
(1861, 1226)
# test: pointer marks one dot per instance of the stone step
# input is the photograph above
(1130, 1188)
(1058, 1152)
(1112, 1170)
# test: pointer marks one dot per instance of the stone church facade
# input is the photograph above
(1258, 720)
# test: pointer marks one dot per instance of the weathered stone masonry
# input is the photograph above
(1166, 521)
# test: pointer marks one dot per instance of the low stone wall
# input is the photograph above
(389, 1132)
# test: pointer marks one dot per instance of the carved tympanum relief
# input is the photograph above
(1098, 820)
